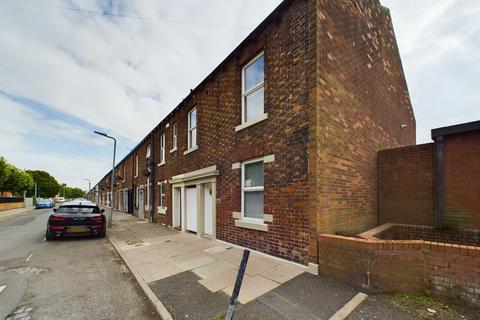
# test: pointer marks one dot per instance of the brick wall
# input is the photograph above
(405, 185)
(334, 95)
(363, 102)
(427, 233)
(462, 179)
(403, 266)
(10, 206)
(287, 43)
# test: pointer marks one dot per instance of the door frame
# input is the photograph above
(141, 204)
(196, 178)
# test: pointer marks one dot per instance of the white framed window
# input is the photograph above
(162, 148)
(136, 165)
(174, 136)
(162, 194)
(192, 129)
(253, 76)
(123, 179)
(149, 151)
(252, 190)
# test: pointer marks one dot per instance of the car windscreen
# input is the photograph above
(78, 210)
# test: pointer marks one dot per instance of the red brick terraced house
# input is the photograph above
(279, 143)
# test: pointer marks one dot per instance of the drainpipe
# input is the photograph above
(152, 180)
(440, 173)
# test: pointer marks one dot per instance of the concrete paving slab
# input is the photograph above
(221, 281)
(216, 249)
(195, 263)
(253, 288)
(213, 269)
(257, 264)
(282, 273)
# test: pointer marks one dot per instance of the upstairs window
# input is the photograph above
(174, 136)
(252, 189)
(149, 151)
(192, 129)
(252, 89)
(136, 165)
(162, 148)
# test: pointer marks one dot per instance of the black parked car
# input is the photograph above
(76, 219)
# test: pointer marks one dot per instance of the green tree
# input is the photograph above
(18, 181)
(47, 186)
(4, 173)
(74, 192)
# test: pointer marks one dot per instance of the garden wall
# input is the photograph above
(403, 266)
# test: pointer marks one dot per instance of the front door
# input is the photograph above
(191, 209)
(141, 204)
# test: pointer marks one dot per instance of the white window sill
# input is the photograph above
(173, 150)
(251, 122)
(161, 164)
(251, 225)
(191, 150)
(162, 210)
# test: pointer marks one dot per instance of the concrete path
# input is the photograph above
(192, 278)
(7, 214)
(160, 252)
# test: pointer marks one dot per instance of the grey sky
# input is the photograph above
(64, 73)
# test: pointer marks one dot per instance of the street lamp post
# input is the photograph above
(89, 185)
(110, 215)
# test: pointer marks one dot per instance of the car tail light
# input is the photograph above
(57, 228)
(57, 218)
(97, 218)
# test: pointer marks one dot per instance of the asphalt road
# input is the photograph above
(80, 278)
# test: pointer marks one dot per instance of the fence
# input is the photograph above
(8, 203)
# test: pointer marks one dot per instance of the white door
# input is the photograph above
(141, 205)
(191, 209)
(208, 211)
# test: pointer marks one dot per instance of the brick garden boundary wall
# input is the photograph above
(427, 233)
(408, 181)
(8, 203)
(406, 185)
(381, 266)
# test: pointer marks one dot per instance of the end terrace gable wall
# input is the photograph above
(363, 106)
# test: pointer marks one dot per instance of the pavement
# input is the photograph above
(77, 278)
(188, 277)
(7, 214)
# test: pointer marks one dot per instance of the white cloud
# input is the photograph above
(439, 41)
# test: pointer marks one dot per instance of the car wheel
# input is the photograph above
(48, 236)
(101, 235)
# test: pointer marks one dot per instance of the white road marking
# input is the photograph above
(2, 288)
(28, 259)
(348, 308)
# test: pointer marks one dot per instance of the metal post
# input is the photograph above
(35, 190)
(110, 216)
(112, 202)
(89, 186)
(238, 284)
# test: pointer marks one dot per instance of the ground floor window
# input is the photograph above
(252, 189)
(162, 193)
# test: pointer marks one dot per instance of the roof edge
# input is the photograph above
(458, 128)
